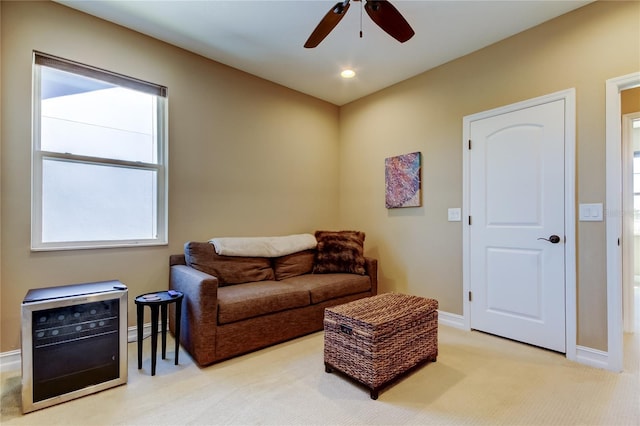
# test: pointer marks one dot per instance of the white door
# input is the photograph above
(516, 232)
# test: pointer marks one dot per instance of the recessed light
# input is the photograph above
(348, 73)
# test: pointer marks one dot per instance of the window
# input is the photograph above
(99, 158)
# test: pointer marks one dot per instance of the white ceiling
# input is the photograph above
(266, 37)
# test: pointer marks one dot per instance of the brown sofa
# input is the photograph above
(234, 305)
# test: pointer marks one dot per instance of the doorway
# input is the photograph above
(505, 178)
(631, 209)
(614, 225)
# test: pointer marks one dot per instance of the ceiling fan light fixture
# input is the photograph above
(347, 74)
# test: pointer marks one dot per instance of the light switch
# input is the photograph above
(591, 212)
(454, 214)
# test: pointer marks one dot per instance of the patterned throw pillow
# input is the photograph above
(339, 251)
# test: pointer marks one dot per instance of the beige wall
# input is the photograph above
(419, 250)
(630, 100)
(235, 143)
(236, 140)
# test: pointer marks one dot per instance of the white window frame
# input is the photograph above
(39, 156)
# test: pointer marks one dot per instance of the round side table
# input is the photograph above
(158, 301)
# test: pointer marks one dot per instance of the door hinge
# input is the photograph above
(469, 220)
(469, 144)
(618, 241)
(470, 298)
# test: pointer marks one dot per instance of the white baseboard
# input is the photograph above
(584, 355)
(12, 360)
(132, 332)
(451, 320)
(592, 357)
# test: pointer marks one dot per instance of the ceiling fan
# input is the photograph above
(383, 13)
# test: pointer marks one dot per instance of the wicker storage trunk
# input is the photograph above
(377, 339)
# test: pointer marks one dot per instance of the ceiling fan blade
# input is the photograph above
(389, 19)
(327, 24)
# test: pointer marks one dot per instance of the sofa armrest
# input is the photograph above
(177, 259)
(371, 268)
(199, 311)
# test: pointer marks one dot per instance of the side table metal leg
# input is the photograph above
(140, 323)
(154, 337)
(163, 311)
(177, 326)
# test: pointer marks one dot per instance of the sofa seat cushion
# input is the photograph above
(324, 287)
(242, 301)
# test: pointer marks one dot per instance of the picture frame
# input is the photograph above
(403, 181)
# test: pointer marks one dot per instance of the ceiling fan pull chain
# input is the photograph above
(361, 19)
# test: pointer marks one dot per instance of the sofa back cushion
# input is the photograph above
(293, 264)
(228, 269)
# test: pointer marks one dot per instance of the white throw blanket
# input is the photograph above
(263, 246)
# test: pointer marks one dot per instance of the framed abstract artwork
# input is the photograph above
(402, 181)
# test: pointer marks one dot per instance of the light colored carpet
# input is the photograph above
(478, 380)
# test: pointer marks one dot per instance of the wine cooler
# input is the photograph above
(74, 342)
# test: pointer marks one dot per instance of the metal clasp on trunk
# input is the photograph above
(346, 330)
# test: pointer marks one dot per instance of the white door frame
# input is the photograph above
(569, 96)
(614, 212)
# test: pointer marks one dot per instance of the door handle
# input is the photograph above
(553, 239)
